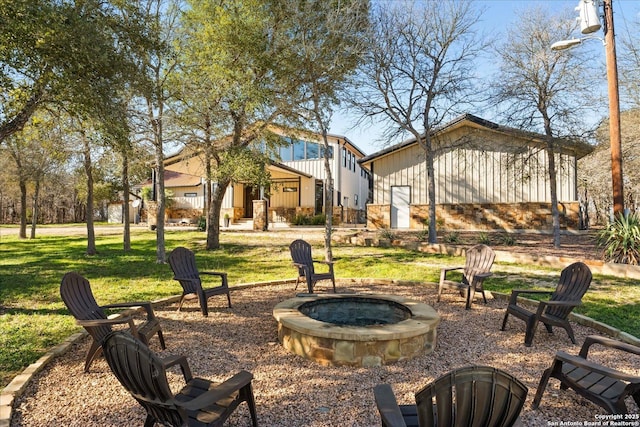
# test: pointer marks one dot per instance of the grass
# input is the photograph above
(33, 317)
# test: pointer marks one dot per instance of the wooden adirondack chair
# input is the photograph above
(304, 262)
(199, 403)
(473, 396)
(601, 385)
(76, 293)
(185, 271)
(478, 262)
(573, 284)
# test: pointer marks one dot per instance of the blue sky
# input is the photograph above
(499, 15)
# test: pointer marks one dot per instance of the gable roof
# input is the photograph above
(580, 149)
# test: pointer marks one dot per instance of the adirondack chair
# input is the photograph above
(304, 262)
(76, 293)
(199, 403)
(185, 271)
(472, 396)
(601, 385)
(478, 262)
(573, 284)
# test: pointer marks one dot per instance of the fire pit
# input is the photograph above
(356, 329)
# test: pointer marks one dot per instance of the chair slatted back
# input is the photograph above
(183, 264)
(301, 254)
(141, 373)
(479, 259)
(76, 293)
(574, 282)
(473, 396)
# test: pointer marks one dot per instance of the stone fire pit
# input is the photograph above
(356, 329)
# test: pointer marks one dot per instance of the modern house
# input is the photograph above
(298, 182)
(487, 177)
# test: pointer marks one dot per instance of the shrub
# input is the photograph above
(423, 235)
(202, 223)
(621, 240)
(319, 219)
(507, 240)
(386, 233)
(484, 238)
(300, 219)
(452, 237)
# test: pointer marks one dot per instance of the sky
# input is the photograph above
(499, 15)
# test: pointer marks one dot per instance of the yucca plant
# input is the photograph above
(621, 240)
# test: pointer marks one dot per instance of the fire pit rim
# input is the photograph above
(420, 322)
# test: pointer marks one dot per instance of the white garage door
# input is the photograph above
(400, 199)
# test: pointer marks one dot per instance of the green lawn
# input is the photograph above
(33, 317)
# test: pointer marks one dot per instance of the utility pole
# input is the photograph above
(614, 111)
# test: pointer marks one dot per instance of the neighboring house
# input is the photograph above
(298, 181)
(487, 177)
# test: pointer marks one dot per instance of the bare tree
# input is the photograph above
(629, 62)
(419, 71)
(317, 31)
(594, 172)
(543, 90)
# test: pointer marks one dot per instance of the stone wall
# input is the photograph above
(482, 216)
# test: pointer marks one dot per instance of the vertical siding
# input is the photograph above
(482, 173)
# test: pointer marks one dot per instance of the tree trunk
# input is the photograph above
(126, 233)
(91, 236)
(213, 220)
(328, 200)
(34, 218)
(23, 209)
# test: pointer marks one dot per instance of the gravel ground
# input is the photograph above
(293, 391)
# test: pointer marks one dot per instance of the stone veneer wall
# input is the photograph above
(482, 216)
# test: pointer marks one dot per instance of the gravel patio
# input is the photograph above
(292, 391)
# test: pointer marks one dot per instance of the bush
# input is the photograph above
(319, 219)
(300, 219)
(386, 233)
(621, 240)
(202, 223)
(507, 240)
(452, 237)
(484, 238)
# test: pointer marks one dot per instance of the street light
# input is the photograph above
(589, 23)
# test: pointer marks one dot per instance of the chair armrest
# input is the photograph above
(595, 367)
(325, 262)
(515, 293)
(213, 273)
(607, 342)
(235, 383)
(181, 361)
(144, 304)
(387, 405)
(483, 275)
(106, 322)
(186, 279)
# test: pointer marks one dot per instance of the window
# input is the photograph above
(344, 157)
(322, 152)
(285, 153)
(313, 150)
(298, 150)
(190, 194)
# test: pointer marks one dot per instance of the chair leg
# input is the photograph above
(94, 351)
(229, 298)
(504, 321)
(309, 285)
(202, 298)
(225, 283)
(532, 324)
(471, 293)
(543, 385)
(333, 281)
(161, 338)
(181, 301)
(569, 329)
(251, 403)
